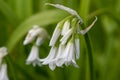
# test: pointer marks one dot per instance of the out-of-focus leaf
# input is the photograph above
(6, 10)
(23, 8)
(42, 19)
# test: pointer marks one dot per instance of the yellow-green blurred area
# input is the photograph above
(18, 16)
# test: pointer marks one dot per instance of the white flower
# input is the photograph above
(55, 35)
(33, 57)
(68, 56)
(66, 36)
(3, 72)
(3, 52)
(35, 32)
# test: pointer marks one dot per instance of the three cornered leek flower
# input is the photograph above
(3, 66)
(65, 42)
(36, 35)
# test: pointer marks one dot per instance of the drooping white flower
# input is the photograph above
(67, 48)
(33, 57)
(3, 52)
(35, 32)
(3, 72)
(68, 57)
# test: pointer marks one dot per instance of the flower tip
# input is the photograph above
(25, 42)
(96, 18)
(48, 4)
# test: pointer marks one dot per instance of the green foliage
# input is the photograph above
(18, 16)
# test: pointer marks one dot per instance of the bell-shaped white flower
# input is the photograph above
(3, 52)
(35, 32)
(3, 72)
(67, 48)
(68, 57)
(33, 57)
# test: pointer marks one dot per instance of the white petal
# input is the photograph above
(52, 66)
(77, 48)
(55, 35)
(3, 52)
(39, 41)
(75, 64)
(58, 59)
(3, 72)
(66, 36)
(50, 56)
(66, 27)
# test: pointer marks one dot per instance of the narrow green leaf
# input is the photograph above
(42, 19)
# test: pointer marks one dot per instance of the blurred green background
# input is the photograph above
(18, 16)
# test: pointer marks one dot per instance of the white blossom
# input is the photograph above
(65, 42)
(33, 57)
(35, 32)
(68, 57)
(3, 72)
(3, 52)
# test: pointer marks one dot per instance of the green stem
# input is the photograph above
(90, 56)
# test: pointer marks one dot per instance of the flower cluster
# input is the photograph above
(36, 36)
(3, 66)
(65, 42)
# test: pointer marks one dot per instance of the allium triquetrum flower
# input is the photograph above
(65, 42)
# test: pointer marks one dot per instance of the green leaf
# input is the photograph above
(42, 19)
(6, 10)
